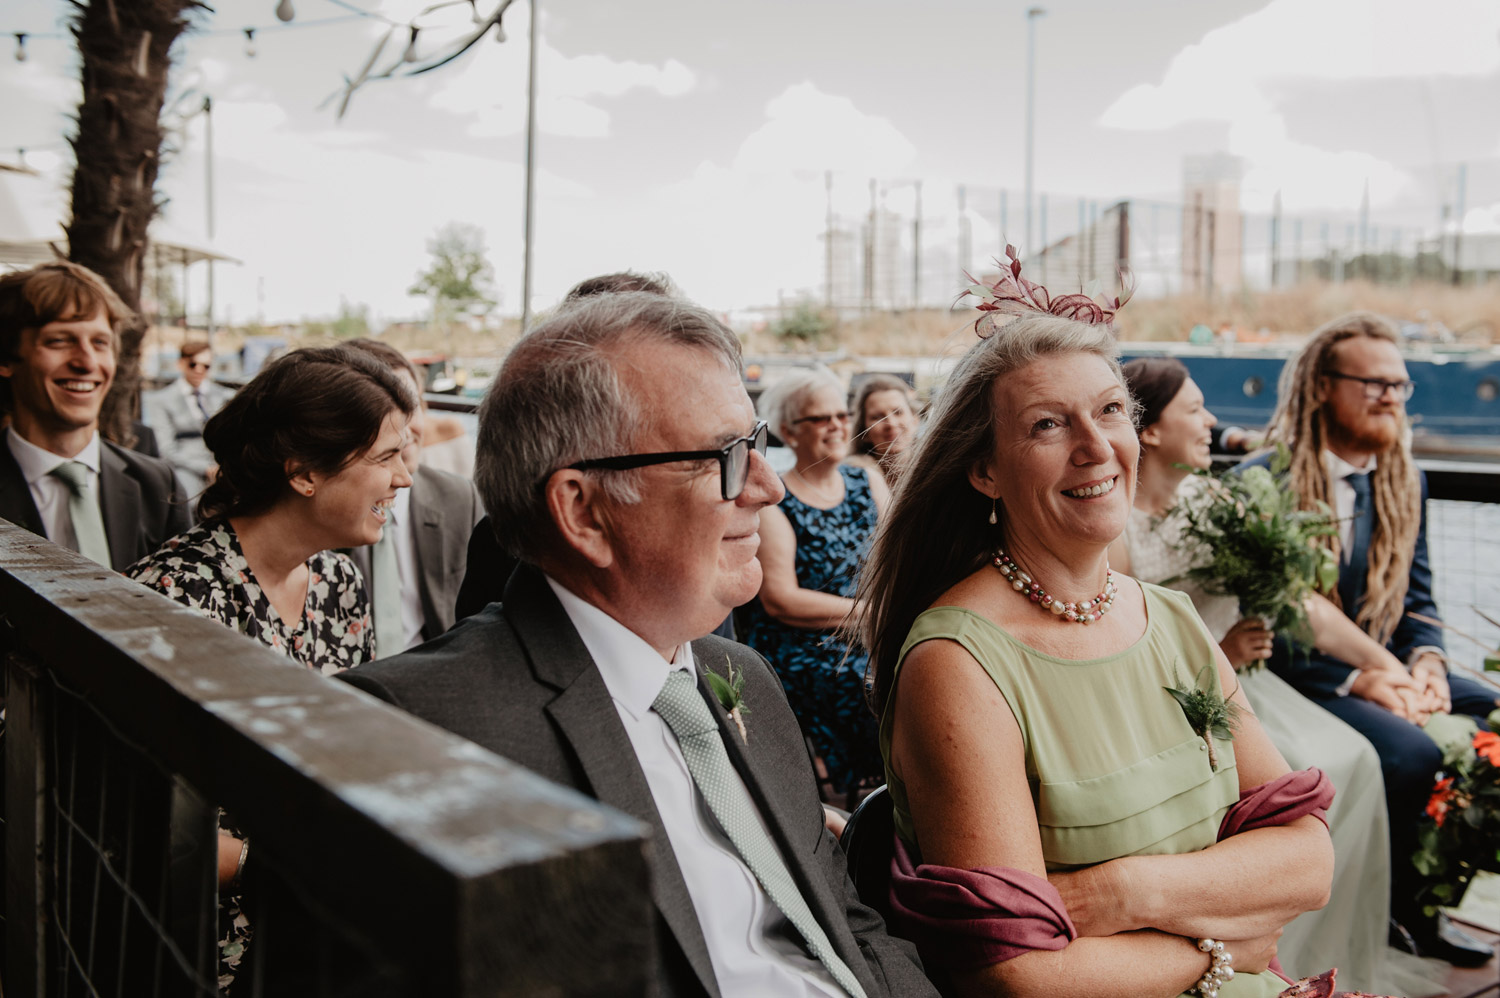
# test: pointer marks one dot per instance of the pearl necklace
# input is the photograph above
(1086, 612)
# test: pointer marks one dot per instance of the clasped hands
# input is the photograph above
(1415, 695)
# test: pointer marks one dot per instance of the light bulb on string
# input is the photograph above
(410, 55)
(250, 43)
(474, 11)
(20, 46)
(499, 32)
(285, 11)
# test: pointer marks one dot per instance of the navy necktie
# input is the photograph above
(1352, 577)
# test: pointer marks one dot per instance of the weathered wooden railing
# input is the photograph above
(388, 857)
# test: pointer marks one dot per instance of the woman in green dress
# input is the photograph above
(1027, 729)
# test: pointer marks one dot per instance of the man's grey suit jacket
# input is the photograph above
(517, 679)
(179, 428)
(138, 495)
(444, 508)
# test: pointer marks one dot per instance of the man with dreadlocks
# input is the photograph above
(1342, 414)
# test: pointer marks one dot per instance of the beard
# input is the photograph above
(1370, 434)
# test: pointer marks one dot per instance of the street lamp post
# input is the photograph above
(530, 164)
(1031, 16)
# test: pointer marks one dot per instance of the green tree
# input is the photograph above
(460, 277)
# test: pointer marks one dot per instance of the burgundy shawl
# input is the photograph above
(967, 919)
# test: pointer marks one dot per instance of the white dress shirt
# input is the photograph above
(50, 493)
(753, 948)
(405, 537)
(1343, 496)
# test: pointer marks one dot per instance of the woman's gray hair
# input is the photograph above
(784, 401)
(558, 400)
(936, 531)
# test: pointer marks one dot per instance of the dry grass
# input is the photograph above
(1471, 312)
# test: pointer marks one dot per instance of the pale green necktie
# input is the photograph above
(83, 510)
(682, 707)
(390, 634)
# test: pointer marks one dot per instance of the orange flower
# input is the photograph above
(1437, 805)
(1487, 744)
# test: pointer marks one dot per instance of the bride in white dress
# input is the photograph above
(1350, 933)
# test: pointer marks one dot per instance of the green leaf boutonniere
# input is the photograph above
(1207, 713)
(730, 689)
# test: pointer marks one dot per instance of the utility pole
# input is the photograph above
(828, 239)
(208, 193)
(1031, 16)
(916, 249)
(530, 164)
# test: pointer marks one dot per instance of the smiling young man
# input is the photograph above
(619, 457)
(1342, 413)
(58, 478)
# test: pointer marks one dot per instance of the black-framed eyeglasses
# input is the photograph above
(1375, 388)
(823, 420)
(733, 458)
(194, 365)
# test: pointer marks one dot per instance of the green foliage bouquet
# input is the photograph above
(1461, 835)
(1250, 541)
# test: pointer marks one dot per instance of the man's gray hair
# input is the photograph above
(786, 400)
(558, 400)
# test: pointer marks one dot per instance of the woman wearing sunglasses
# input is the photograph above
(811, 548)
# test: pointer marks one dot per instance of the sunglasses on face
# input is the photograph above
(193, 365)
(1375, 388)
(823, 420)
(733, 458)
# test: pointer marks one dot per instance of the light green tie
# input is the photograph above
(682, 707)
(390, 634)
(83, 510)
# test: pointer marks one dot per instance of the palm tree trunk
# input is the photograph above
(125, 47)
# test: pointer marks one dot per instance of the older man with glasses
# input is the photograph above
(1342, 414)
(620, 459)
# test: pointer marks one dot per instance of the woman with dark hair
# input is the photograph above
(885, 424)
(1350, 932)
(309, 457)
(1064, 825)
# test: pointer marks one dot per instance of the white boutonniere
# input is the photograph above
(730, 689)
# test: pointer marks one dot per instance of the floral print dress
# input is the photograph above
(205, 569)
(825, 678)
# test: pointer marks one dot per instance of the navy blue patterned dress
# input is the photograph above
(824, 680)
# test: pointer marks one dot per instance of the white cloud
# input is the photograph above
(490, 87)
(1234, 73)
(807, 129)
(1225, 76)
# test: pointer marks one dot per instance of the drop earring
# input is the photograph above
(993, 518)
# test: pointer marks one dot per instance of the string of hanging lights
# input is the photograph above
(285, 13)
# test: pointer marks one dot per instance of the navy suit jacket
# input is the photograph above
(1318, 675)
(517, 679)
(138, 496)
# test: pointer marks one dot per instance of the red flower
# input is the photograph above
(1437, 805)
(1487, 744)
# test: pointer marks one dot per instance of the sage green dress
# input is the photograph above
(1115, 769)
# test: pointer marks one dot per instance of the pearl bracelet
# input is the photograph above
(1219, 970)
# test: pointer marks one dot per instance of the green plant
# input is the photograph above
(806, 325)
(1249, 540)
(1461, 834)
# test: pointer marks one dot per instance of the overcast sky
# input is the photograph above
(692, 136)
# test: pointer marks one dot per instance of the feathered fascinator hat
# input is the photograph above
(1012, 294)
